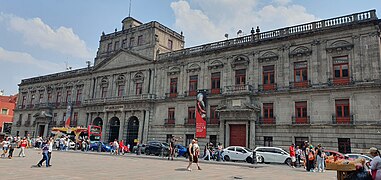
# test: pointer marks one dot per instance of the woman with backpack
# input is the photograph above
(311, 159)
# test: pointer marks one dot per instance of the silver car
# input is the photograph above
(272, 155)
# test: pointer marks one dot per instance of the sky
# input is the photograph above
(46, 36)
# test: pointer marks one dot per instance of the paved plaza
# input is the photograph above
(78, 165)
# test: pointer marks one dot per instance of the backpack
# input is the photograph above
(311, 156)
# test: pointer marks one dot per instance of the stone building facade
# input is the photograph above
(319, 82)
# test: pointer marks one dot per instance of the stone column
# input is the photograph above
(104, 126)
(222, 132)
(121, 127)
(146, 123)
(252, 134)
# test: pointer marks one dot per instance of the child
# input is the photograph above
(11, 149)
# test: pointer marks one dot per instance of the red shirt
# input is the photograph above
(292, 151)
(23, 143)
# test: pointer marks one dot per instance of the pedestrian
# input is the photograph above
(298, 156)
(115, 147)
(220, 148)
(320, 159)
(172, 145)
(194, 151)
(206, 152)
(375, 164)
(45, 156)
(23, 145)
(50, 150)
(311, 159)
(67, 144)
(292, 155)
(122, 147)
(11, 148)
(5, 144)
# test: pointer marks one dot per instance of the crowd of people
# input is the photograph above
(312, 157)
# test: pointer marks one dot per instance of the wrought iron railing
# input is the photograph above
(189, 122)
(301, 120)
(266, 121)
(120, 99)
(169, 122)
(349, 120)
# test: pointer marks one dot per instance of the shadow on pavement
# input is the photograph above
(181, 169)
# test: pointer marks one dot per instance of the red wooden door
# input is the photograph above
(238, 135)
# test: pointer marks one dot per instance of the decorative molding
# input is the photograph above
(173, 71)
(138, 77)
(216, 64)
(193, 68)
(268, 56)
(241, 60)
(339, 46)
(300, 51)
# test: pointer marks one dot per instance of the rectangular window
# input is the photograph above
(213, 139)
(64, 117)
(132, 42)
(139, 88)
(104, 92)
(344, 145)
(41, 97)
(116, 45)
(171, 113)
(140, 40)
(109, 47)
(216, 82)
(268, 110)
(59, 94)
(301, 109)
(78, 99)
(188, 139)
(4, 111)
(341, 70)
(300, 74)
(50, 96)
(124, 43)
(342, 111)
(121, 90)
(68, 96)
(73, 122)
(55, 117)
(20, 117)
(240, 77)
(32, 99)
(268, 77)
(170, 44)
(23, 101)
(191, 115)
(173, 87)
(268, 141)
(214, 116)
(193, 83)
(29, 117)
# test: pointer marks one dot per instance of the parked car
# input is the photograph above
(135, 148)
(104, 146)
(272, 155)
(181, 150)
(237, 153)
(356, 156)
(337, 154)
(156, 148)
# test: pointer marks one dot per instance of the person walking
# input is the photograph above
(292, 155)
(320, 159)
(298, 156)
(11, 148)
(194, 151)
(5, 144)
(45, 156)
(311, 159)
(375, 164)
(172, 145)
(50, 150)
(115, 147)
(23, 145)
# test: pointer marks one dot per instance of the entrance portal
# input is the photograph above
(132, 131)
(238, 135)
(114, 129)
(41, 130)
(98, 122)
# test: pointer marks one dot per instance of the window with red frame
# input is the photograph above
(191, 114)
(193, 82)
(139, 88)
(79, 95)
(216, 82)
(73, 122)
(342, 109)
(41, 97)
(268, 75)
(121, 90)
(214, 116)
(301, 109)
(268, 111)
(68, 96)
(173, 87)
(240, 77)
(104, 91)
(171, 113)
(341, 67)
(50, 96)
(59, 94)
(300, 72)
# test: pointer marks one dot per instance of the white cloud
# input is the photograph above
(209, 20)
(36, 32)
(27, 60)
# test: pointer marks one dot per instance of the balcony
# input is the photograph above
(343, 120)
(192, 93)
(171, 95)
(215, 91)
(299, 85)
(266, 121)
(77, 103)
(301, 120)
(213, 122)
(169, 122)
(340, 81)
(140, 97)
(189, 122)
(267, 87)
(239, 88)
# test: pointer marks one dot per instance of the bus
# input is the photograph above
(94, 133)
(77, 134)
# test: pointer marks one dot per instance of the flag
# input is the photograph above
(68, 116)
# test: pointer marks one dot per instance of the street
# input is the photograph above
(79, 165)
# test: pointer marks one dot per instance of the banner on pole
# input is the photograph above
(201, 115)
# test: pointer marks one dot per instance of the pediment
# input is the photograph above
(121, 59)
(268, 56)
(339, 46)
(300, 51)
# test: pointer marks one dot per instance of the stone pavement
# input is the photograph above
(78, 165)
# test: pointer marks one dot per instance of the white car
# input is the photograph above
(272, 155)
(356, 156)
(237, 153)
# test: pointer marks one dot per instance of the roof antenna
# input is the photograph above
(129, 10)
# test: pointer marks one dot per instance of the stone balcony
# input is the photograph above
(238, 89)
(106, 100)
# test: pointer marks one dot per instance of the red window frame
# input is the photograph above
(340, 70)
(59, 96)
(73, 123)
(121, 90)
(342, 108)
(191, 115)
(171, 113)
(49, 96)
(301, 74)
(268, 77)
(78, 98)
(139, 88)
(214, 116)
(301, 112)
(193, 83)
(268, 113)
(104, 92)
(216, 83)
(240, 77)
(173, 87)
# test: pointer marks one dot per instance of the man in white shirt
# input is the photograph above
(50, 146)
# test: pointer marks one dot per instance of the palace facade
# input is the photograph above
(319, 82)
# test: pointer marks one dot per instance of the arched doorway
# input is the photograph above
(98, 122)
(132, 130)
(114, 129)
